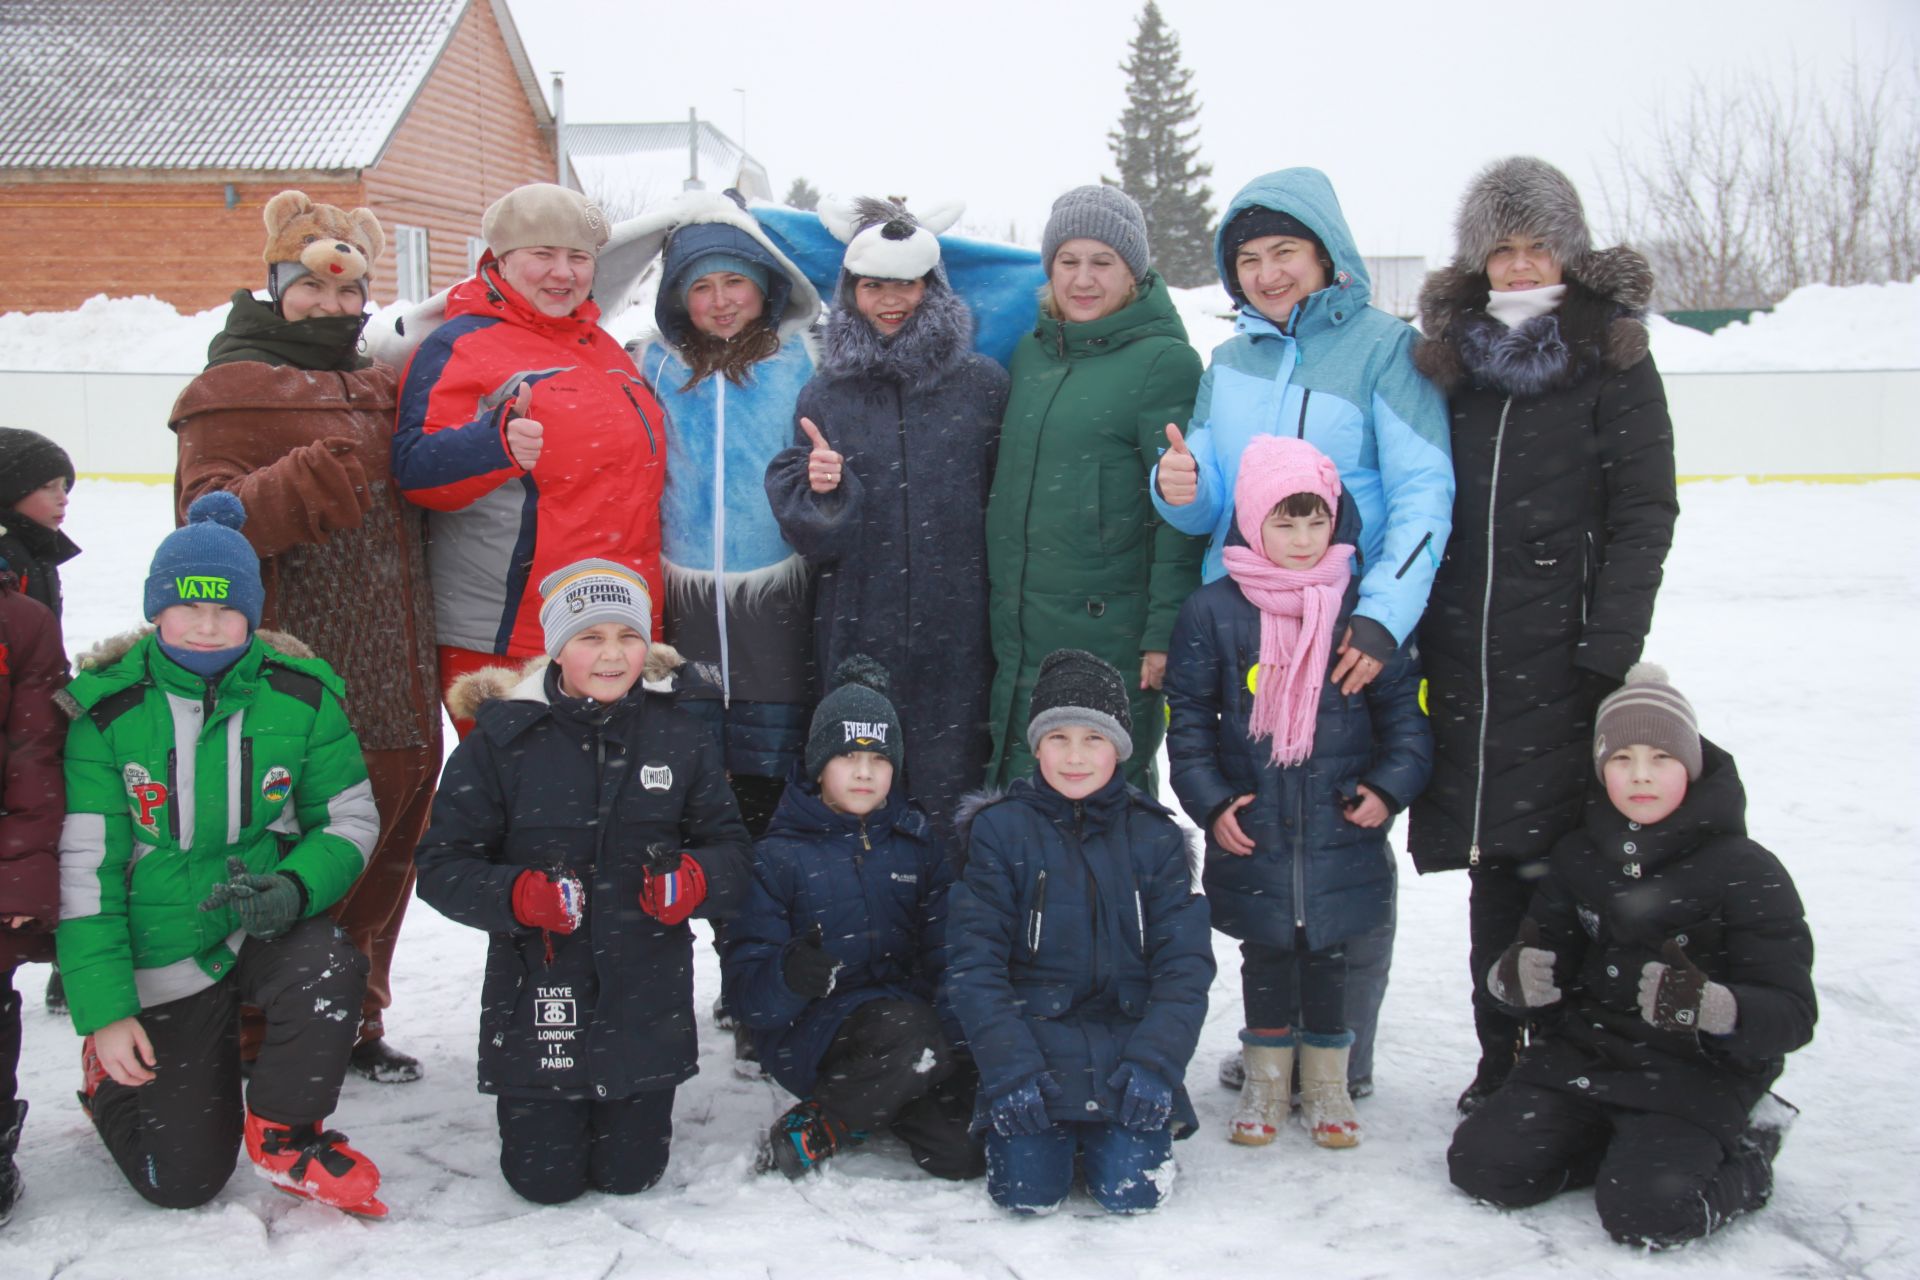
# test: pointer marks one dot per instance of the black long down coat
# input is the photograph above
(1565, 499)
(900, 548)
(556, 783)
(1614, 894)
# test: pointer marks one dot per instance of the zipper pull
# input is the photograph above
(864, 842)
(1473, 856)
(1140, 921)
(1633, 869)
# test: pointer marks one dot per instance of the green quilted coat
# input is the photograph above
(1076, 556)
(166, 779)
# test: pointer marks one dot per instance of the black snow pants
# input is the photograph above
(175, 1137)
(1496, 904)
(554, 1149)
(890, 1068)
(1657, 1179)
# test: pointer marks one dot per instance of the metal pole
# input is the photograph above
(560, 164)
(693, 151)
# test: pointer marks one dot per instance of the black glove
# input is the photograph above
(662, 859)
(807, 967)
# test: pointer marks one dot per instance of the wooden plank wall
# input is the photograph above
(470, 138)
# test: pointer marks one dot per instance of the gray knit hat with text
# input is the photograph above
(856, 716)
(1647, 711)
(1102, 213)
(588, 593)
(1076, 688)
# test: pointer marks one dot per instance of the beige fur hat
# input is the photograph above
(542, 213)
(304, 238)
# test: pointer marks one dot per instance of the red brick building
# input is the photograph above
(140, 138)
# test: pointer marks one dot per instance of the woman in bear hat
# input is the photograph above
(1564, 515)
(885, 493)
(734, 347)
(1075, 556)
(526, 430)
(1312, 358)
(292, 418)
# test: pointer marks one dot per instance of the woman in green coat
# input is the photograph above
(1076, 557)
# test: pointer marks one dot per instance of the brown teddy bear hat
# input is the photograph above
(304, 238)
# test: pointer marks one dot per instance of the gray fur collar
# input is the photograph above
(936, 339)
(1599, 326)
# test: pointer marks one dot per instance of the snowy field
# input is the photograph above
(1793, 650)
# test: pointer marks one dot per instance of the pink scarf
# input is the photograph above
(1298, 608)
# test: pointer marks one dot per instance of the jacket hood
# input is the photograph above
(936, 339)
(803, 813)
(1601, 323)
(1308, 196)
(527, 683)
(1715, 805)
(1102, 808)
(488, 294)
(637, 243)
(106, 652)
(51, 546)
(1150, 315)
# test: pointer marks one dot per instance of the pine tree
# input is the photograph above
(1158, 155)
(803, 195)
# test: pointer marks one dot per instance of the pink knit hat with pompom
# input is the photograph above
(1274, 468)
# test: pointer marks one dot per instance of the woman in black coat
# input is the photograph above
(885, 495)
(1563, 514)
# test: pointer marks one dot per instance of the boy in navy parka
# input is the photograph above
(1079, 959)
(835, 961)
(1293, 778)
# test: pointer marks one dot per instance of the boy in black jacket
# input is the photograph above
(1674, 960)
(582, 823)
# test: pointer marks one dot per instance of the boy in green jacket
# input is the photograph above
(217, 805)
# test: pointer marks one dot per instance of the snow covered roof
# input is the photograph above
(640, 163)
(221, 84)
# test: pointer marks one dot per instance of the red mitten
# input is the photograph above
(672, 897)
(542, 902)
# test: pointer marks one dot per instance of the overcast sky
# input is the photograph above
(1006, 103)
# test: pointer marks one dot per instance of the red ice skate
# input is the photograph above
(315, 1164)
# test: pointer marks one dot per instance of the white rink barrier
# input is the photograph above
(1837, 425)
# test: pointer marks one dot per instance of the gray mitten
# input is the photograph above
(1678, 996)
(1523, 975)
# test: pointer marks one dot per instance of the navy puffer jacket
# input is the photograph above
(1310, 866)
(877, 887)
(545, 781)
(1076, 943)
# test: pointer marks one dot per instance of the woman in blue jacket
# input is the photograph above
(1311, 358)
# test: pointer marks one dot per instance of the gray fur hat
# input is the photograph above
(1103, 213)
(1520, 195)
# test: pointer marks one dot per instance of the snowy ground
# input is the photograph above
(1821, 718)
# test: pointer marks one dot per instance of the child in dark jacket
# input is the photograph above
(836, 959)
(33, 666)
(1294, 780)
(1079, 959)
(1673, 964)
(582, 823)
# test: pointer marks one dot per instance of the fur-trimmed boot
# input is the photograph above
(1325, 1108)
(315, 1164)
(1263, 1098)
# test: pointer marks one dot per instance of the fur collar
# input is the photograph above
(1600, 326)
(936, 339)
(110, 650)
(527, 683)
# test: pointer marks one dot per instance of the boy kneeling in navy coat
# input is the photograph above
(1079, 959)
(1673, 960)
(836, 959)
(581, 824)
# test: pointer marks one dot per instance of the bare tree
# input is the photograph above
(1753, 188)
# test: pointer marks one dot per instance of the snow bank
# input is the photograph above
(1869, 326)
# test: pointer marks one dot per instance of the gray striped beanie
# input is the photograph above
(1647, 711)
(587, 593)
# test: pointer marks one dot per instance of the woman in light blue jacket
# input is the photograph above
(1311, 358)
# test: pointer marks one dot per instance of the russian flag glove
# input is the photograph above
(542, 901)
(1678, 996)
(673, 897)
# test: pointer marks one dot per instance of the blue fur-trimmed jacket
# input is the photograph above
(1075, 943)
(1341, 375)
(877, 888)
(1310, 867)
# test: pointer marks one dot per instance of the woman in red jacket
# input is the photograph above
(527, 432)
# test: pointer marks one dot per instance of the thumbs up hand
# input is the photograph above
(823, 464)
(524, 434)
(1179, 473)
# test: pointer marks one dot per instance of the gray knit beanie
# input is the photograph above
(1647, 711)
(1075, 687)
(1102, 213)
(588, 593)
